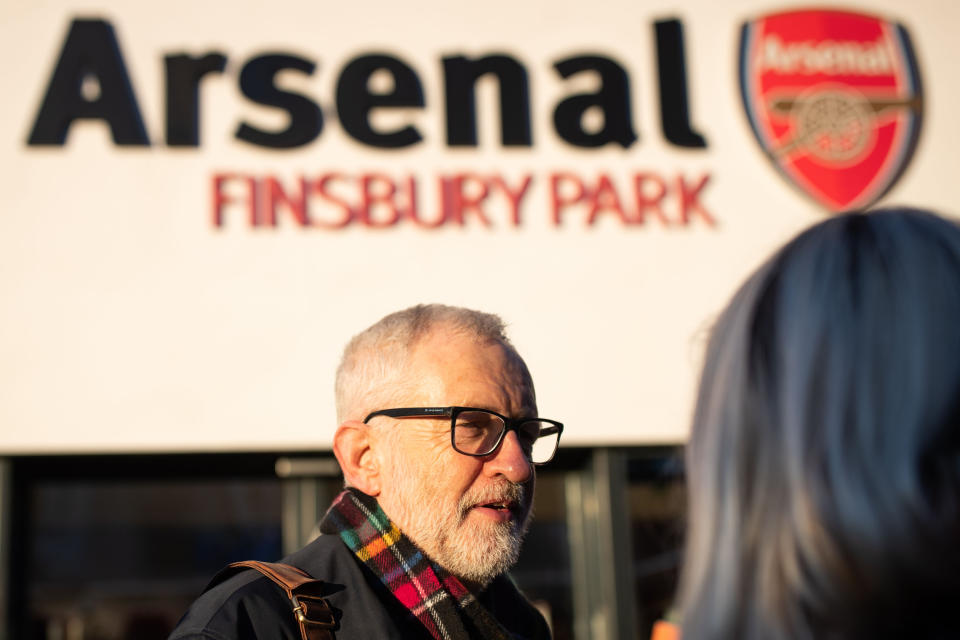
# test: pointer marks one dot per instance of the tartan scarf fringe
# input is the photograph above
(438, 599)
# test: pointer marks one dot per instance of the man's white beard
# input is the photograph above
(475, 552)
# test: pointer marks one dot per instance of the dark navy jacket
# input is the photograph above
(248, 606)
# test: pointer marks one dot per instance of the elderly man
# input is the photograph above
(438, 439)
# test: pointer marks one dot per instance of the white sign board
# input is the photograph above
(205, 201)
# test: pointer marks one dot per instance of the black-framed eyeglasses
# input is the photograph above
(479, 432)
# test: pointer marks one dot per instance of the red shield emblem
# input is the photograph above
(834, 97)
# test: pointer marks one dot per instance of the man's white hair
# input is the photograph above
(371, 375)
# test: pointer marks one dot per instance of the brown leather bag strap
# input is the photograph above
(311, 610)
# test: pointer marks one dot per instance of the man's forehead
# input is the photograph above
(452, 367)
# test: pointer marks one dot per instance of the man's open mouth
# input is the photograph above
(504, 505)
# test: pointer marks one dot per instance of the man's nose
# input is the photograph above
(509, 460)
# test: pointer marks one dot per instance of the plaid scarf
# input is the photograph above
(435, 597)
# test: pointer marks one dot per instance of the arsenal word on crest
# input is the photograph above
(834, 98)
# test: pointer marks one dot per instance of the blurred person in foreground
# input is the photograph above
(824, 460)
(438, 439)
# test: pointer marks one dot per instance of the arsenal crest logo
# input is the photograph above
(834, 98)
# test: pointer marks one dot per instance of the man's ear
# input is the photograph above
(353, 447)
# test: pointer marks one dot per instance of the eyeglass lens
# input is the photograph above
(478, 433)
